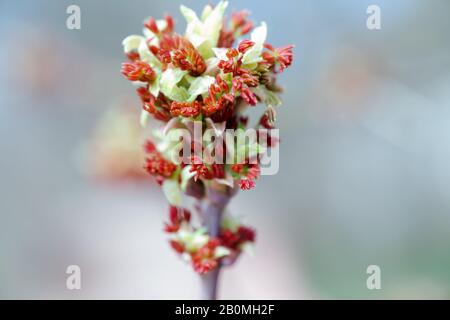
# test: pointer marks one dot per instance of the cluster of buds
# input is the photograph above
(203, 251)
(212, 74)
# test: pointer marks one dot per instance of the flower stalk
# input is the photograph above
(212, 209)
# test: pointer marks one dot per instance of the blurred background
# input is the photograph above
(364, 174)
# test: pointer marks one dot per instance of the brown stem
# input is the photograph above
(211, 210)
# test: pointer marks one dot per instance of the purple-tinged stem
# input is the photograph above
(211, 211)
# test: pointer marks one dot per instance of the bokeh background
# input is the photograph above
(365, 158)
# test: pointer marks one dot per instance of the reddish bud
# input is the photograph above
(151, 25)
(185, 109)
(177, 246)
(138, 71)
(170, 23)
(246, 184)
(245, 45)
(249, 96)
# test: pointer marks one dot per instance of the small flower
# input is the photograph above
(226, 39)
(249, 96)
(133, 56)
(219, 100)
(138, 71)
(156, 165)
(204, 265)
(239, 26)
(229, 239)
(177, 216)
(213, 171)
(203, 260)
(186, 57)
(159, 108)
(201, 171)
(177, 246)
(246, 234)
(151, 25)
(282, 56)
(245, 45)
(149, 147)
(170, 23)
(240, 23)
(234, 239)
(246, 184)
(144, 94)
(253, 172)
(185, 109)
(266, 122)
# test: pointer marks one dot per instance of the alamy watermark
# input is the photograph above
(373, 21)
(73, 21)
(73, 281)
(374, 280)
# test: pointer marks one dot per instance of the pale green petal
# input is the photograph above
(259, 34)
(231, 223)
(193, 240)
(221, 53)
(267, 96)
(213, 23)
(172, 124)
(228, 77)
(172, 192)
(204, 47)
(144, 118)
(202, 230)
(188, 14)
(221, 252)
(131, 43)
(154, 86)
(161, 24)
(168, 85)
(272, 99)
(172, 77)
(186, 175)
(204, 34)
(199, 240)
(148, 34)
(177, 94)
(248, 248)
(206, 12)
(200, 86)
(212, 67)
(170, 144)
(194, 26)
(253, 55)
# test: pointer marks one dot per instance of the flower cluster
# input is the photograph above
(203, 251)
(200, 75)
(212, 74)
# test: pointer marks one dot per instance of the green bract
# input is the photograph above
(204, 33)
(253, 55)
(168, 85)
(172, 191)
(200, 86)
